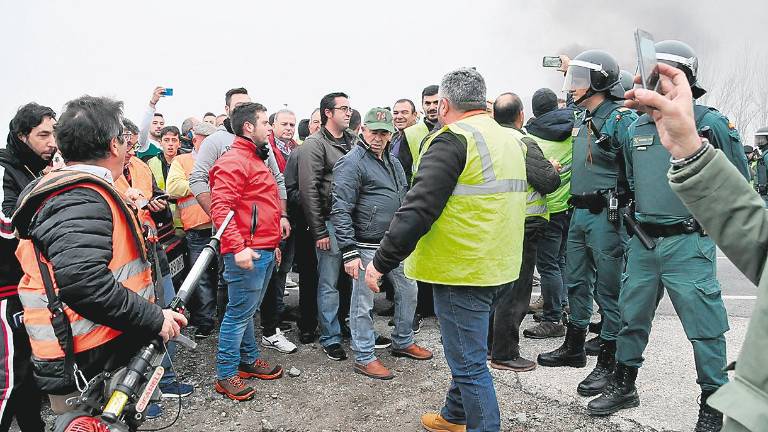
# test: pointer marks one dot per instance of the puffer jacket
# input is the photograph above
(19, 165)
(319, 154)
(367, 191)
(74, 231)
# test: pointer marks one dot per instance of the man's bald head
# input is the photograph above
(508, 110)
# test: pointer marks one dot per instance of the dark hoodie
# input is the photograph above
(555, 125)
(19, 165)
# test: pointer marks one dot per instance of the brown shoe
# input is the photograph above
(413, 351)
(375, 370)
(434, 422)
(234, 388)
(261, 370)
(518, 364)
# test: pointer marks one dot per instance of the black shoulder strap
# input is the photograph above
(59, 319)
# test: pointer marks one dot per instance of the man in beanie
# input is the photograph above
(552, 128)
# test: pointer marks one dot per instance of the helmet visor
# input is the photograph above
(576, 78)
(761, 141)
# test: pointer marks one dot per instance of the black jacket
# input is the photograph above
(74, 232)
(538, 170)
(318, 155)
(19, 165)
(366, 193)
(555, 125)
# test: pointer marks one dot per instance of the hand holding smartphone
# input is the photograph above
(646, 59)
(551, 62)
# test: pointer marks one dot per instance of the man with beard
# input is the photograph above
(29, 150)
(414, 135)
(219, 143)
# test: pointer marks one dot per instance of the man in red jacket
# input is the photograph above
(241, 181)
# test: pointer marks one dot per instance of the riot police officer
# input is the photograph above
(596, 239)
(760, 171)
(678, 255)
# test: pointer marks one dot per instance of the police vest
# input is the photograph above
(129, 266)
(536, 203)
(597, 157)
(156, 166)
(477, 239)
(192, 215)
(415, 135)
(561, 151)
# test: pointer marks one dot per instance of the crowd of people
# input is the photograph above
(448, 208)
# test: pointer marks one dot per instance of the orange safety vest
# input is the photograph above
(192, 215)
(141, 178)
(129, 266)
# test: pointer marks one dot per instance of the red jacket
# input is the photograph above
(239, 181)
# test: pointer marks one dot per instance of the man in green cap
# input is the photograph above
(369, 185)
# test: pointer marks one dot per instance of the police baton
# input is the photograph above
(638, 230)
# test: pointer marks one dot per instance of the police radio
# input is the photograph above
(613, 207)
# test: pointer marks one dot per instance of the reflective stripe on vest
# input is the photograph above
(477, 239)
(156, 166)
(190, 212)
(536, 203)
(415, 135)
(128, 266)
(561, 151)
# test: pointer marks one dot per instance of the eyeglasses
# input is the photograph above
(346, 109)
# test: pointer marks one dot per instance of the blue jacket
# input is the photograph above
(366, 193)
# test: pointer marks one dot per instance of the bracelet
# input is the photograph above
(679, 163)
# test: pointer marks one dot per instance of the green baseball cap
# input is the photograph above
(379, 119)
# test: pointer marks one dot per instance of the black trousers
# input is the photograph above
(19, 396)
(511, 303)
(425, 303)
(306, 262)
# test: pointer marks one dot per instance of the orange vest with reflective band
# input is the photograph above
(141, 178)
(129, 266)
(192, 215)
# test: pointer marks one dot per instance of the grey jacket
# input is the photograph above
(211, 150)
(367, 191)
(734, 215)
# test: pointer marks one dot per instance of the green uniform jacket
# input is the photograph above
(734, 215)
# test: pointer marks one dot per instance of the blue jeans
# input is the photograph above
(237, 338)
(463, 314)
(551, 265)
(203, 305)
(170, 374)
(361, 311)
(328, 267)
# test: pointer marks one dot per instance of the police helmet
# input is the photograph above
(627, 80)
(594, 70)
(681, 55)
(761, 138)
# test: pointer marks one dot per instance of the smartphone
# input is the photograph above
(646, 59)
(551, 62)
(167, 92)
(161, 197)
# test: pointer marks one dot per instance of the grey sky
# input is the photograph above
(292, 52)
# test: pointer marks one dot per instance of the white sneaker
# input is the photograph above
(278, 342)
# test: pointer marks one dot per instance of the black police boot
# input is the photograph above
(571, 352)
(596, 381)
(620, 393)
(592, 346)
(710, 419)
